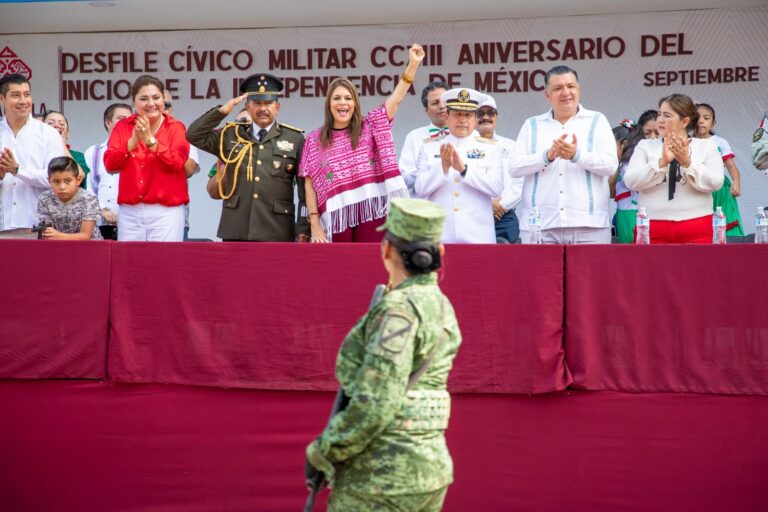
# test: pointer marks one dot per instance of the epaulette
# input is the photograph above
(432, 139)
(486, 140)
(291, 127)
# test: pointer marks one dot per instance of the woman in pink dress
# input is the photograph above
(351, 162)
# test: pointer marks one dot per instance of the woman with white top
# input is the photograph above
(676, 175)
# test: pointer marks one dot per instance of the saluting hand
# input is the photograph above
(227, 108)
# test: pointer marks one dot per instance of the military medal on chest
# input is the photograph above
(476, 153)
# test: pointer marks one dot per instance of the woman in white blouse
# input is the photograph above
(675, 176)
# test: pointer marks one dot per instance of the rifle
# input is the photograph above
(317, 482)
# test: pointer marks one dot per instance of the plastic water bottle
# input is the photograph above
(534, 226)
(761, 226)
(718, 226)
(642, 227)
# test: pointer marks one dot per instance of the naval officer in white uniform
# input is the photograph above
(462, 172)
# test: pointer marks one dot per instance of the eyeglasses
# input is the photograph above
(489, 113)
(168, 105)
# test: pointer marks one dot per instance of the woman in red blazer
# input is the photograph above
(149, 150)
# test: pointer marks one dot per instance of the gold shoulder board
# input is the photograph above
(291, 127)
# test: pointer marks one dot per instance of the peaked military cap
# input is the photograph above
(262, 87)
(414, 220)
(462, 99)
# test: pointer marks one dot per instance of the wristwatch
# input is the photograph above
(152, 142)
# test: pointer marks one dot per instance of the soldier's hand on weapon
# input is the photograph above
(227, 108)
(312, 475)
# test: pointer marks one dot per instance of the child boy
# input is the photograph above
(70, 212)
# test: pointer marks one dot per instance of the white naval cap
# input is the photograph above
(462, 99)
(488, 102)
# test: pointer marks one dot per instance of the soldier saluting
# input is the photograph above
(257, 182)
(386, 449)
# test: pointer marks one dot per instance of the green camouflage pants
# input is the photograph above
(342, 500)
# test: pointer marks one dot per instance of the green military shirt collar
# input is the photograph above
(422, 279)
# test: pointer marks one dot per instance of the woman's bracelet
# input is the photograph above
(407, 79)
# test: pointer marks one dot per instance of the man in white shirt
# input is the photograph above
(566, 157)
(507, 224)
(26, 147)
(462, 172)
(437, 113)
(104, 184)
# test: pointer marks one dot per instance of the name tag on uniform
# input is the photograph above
(284, 145)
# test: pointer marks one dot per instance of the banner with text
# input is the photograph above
(625, 64)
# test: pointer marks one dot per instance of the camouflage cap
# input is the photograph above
(414, 220)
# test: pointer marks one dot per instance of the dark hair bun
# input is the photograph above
(422, 259)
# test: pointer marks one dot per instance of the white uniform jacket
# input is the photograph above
(467, 200)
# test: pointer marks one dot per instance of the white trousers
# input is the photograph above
(571, 236)
(150, 223)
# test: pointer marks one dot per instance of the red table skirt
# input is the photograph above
(81, 446)
(670, 318)
(271, 316)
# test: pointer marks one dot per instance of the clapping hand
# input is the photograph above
(450, 158)
(677, 147)
(7, 161)
(562, 148)
(141, 132)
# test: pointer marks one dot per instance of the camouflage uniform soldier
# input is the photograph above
(387, 449)
(760, 145)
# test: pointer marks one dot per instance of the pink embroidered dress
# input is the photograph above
(354, 185)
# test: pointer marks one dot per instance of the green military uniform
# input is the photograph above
(387, 448)
(262, 207)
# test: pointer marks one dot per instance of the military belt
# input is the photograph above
(423, 409)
